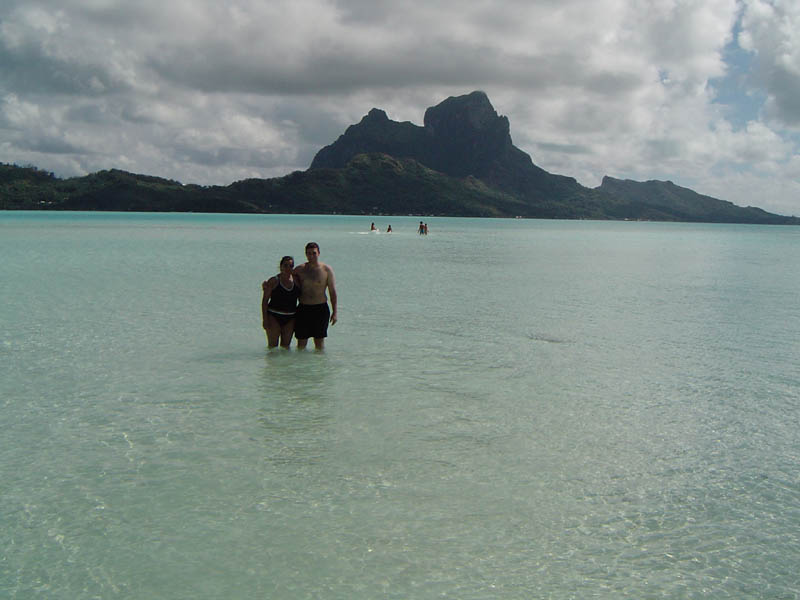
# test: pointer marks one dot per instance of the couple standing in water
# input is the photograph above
(281, 314)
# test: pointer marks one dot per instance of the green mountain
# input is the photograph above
(461, 162)
(464, 136)
(665, 201)
(461, 137)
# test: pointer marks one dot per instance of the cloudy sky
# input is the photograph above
(705, 93)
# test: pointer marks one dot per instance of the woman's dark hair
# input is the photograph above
(284, 259)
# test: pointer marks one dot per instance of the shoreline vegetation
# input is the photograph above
(392, 191)
(460, 163)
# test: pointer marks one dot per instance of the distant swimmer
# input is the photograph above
(373, 228)
(313, 314)
(424, 229)
(421, 230)
(389, 229)
(279, 305)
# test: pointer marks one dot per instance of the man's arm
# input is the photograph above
(332, 295)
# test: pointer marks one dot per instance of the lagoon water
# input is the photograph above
(506, 409)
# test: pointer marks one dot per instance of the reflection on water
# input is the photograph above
(306, 373)
(298, 402)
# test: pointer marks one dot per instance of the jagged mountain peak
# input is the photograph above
(471, 111)
(461, 136)
(376, 115)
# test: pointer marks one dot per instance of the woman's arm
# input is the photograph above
(267, 286)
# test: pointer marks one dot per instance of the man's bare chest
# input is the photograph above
(315, 277)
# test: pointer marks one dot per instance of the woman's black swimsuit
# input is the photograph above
(283, 302)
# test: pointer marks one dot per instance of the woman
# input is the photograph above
(279, 304)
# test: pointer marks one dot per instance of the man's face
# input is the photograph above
(312, 254)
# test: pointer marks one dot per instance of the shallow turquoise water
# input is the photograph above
(507, 408)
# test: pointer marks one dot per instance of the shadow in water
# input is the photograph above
(298, 404)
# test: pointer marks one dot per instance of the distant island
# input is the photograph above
(461, 162)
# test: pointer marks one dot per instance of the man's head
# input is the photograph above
(312, 251)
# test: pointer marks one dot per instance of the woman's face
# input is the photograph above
(287, 266)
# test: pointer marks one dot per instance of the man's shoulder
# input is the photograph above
(321, 266)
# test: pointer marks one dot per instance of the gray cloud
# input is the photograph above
(784, 102)
(27, 70)
(343, 69)
(564, 148)
(48, 145)
(89, 113)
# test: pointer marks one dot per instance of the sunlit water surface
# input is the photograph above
(506, 409)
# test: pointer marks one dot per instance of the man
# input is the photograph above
(313, 314)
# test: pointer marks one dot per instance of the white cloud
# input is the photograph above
(772, 31)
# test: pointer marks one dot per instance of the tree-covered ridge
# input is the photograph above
(663, 200)
(369, 184)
